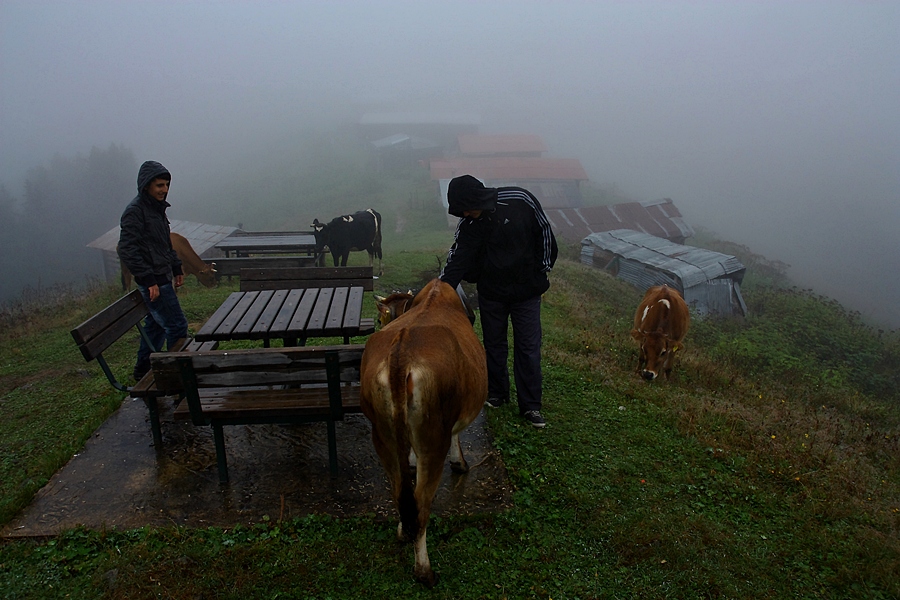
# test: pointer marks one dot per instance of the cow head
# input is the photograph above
(320, 230)
(656, 354)
(207, 275)
(391, 307)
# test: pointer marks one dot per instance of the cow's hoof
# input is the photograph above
(401, 535)
(459, 467)
(429, 579)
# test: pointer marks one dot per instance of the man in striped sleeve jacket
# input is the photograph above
(504, 244)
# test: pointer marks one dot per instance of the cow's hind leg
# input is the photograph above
(428, 478)
(457, 461)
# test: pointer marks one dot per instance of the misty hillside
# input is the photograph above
(319, 175)
(765, 468)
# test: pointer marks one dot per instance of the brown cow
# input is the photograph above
(660, 324)
(191, 263)
(424, 380)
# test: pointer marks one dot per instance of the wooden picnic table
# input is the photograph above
(292, 315)
(269, 243)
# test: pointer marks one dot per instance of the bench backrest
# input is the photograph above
(306, 277)
(231, 267)
(100, 331)
(258, 368)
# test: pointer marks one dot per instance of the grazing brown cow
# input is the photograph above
(660, 324)
(191, 263)
(424, 380)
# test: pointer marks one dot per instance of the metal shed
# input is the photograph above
(709, 281)
(202, 236)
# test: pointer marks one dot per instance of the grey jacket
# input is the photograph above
(144, 243)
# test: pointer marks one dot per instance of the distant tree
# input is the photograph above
(11, 246)
(69, 203)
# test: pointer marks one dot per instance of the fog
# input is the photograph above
(774, 124)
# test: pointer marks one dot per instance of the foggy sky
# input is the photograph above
(775, 124)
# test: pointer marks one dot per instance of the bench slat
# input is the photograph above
(272, 284)
(245, 325)
(121, 308)
(301, 278)
(232, 318)
(217, 317)
(268, 316)
(246, 405)
(288, 308)
(316, 323)
(353, 319)
(229, 267)
(301, 317)
(335, 320)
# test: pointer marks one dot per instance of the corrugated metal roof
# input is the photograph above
(507, 168)
(485, 145)
(202, 236)
(401, 139)
(691, 265)
(657, 217)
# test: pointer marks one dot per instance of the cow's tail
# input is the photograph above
(401, 392)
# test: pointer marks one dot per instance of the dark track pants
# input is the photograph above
(166, 323)
(526, 325)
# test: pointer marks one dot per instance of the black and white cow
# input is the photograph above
(359, 231)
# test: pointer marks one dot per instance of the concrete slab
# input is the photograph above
(121, 481)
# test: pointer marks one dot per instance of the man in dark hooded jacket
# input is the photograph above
(146, 249)
(504, 244)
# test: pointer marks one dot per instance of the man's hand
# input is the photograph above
(179, 280)
(154, 292)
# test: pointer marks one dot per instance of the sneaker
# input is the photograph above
(496, 402)
(534, 417)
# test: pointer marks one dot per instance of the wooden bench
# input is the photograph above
(264, 385)
(99, 332)
(231, 267)
(308, 277)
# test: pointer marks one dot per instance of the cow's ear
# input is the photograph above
(637, 335)
(384, 313)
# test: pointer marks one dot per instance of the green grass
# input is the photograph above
(768, 467)
(721, 483)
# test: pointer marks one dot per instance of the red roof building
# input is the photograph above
(554, 181)
(476, 145)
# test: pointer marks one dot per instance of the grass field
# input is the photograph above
(764, 469)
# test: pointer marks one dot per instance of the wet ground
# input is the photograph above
(120, 480)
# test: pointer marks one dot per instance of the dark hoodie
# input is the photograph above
(144, 243)
(508, 250)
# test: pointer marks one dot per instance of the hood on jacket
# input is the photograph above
(149, 171)
(467, 193)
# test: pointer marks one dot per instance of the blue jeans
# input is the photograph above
(526, 325)
(166, 323)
